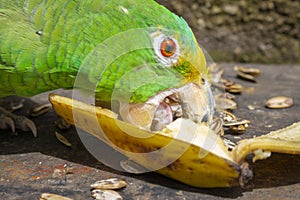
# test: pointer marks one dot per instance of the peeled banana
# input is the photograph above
(185, 151)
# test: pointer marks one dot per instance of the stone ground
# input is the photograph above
(244, 31)
(30, 166)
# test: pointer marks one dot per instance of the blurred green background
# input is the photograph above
(260, 31)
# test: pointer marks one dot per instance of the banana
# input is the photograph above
(184, 151)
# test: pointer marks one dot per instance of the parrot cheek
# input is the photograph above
(191, 101)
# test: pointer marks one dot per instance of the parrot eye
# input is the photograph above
(168, 47)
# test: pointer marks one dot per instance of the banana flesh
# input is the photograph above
(194, 155)
(286, 140)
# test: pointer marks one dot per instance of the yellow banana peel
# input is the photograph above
(200, 160)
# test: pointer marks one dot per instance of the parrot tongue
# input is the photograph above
(191, 101)
(162, 116)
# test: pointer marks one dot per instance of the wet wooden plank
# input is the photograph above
(30, 166)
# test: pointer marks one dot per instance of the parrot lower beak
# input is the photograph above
(191, 101)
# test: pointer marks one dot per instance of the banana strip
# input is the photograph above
(286, 140)
(187, 152)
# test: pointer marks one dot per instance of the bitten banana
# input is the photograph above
(203, 161)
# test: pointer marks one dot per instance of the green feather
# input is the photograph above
(45, 44)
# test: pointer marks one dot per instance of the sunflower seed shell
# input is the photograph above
(62, 139)
(246, 77)
(41, 109)
(279, 102)
(109, 184)
(99, 194)
(48, 196)
(251, 71)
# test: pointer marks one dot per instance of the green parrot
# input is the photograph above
(135, 52)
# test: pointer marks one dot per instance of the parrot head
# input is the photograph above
(153, 67)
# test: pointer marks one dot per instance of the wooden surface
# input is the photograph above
(30, 166)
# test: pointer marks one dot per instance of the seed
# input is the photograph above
(231, 86)
(237, 122)
(17, 106)
(227, 82)
(109, 184)
(251, 71)
(106, 195)
(239, 129)
(237, 125)
(39, 110)
(62, 139)
(179, 193)
(48, 196)
(251, 107)
(234, 88)
(247, 77)
(279, 102)
(227, 116)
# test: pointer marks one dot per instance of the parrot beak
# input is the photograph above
(191, 101)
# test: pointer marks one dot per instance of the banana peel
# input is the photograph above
(200, 159)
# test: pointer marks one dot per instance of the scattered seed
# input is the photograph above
(179, 193)
(106, 195)
(238, 129)
(227, 82)
(246, 77)
(62, 139)
(251, 71)
(39, 110)
(227, 116)
(251, 107)
(234, 88)
(16, 106)
(109, 184)
(48, 196)
(237, 122)
(236, 125)
(279, 102)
